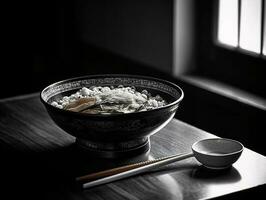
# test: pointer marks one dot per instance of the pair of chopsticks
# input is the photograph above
(118, 173)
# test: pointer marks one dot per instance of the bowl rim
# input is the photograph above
(107, 76)
(194, 148)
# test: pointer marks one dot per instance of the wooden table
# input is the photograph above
(40, 161)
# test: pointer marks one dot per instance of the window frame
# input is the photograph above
(238, 48)
(231, 65)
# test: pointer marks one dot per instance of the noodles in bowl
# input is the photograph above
(107, 100)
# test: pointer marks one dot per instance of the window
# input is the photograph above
(241, 24)
(228, 22)
(264, 30)
(230, 44)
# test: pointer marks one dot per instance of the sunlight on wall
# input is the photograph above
(250, 25)
(228, 22)
(240, 24)
(264, 42)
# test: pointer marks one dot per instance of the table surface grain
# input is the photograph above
(41, 161)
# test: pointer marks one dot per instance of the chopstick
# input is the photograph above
(110, 172)
(118, 173)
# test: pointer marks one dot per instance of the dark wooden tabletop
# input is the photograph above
(41, 161)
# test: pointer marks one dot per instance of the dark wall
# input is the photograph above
(39, 44)
(139, 30)
(46, 41)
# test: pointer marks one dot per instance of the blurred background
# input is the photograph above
(214, 49)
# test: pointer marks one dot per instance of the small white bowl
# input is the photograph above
(217, 153)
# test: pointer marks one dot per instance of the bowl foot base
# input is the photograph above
(115, 150)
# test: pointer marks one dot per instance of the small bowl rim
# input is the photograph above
(113, 114)
(218, 154)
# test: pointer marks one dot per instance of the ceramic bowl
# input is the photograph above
(114, 134)
(219, 153)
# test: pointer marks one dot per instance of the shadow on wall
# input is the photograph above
(46, 41)
(138, 30)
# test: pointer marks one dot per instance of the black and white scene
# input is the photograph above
(133, 100)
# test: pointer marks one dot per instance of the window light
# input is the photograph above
(240, 24)
(250, 25)
(264, 37)
(228, 22)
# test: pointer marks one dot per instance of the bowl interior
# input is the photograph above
(218, 146)
(168, 91)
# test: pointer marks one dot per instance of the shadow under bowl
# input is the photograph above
(119, 134)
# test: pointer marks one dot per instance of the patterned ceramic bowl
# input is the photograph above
(117, 134)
